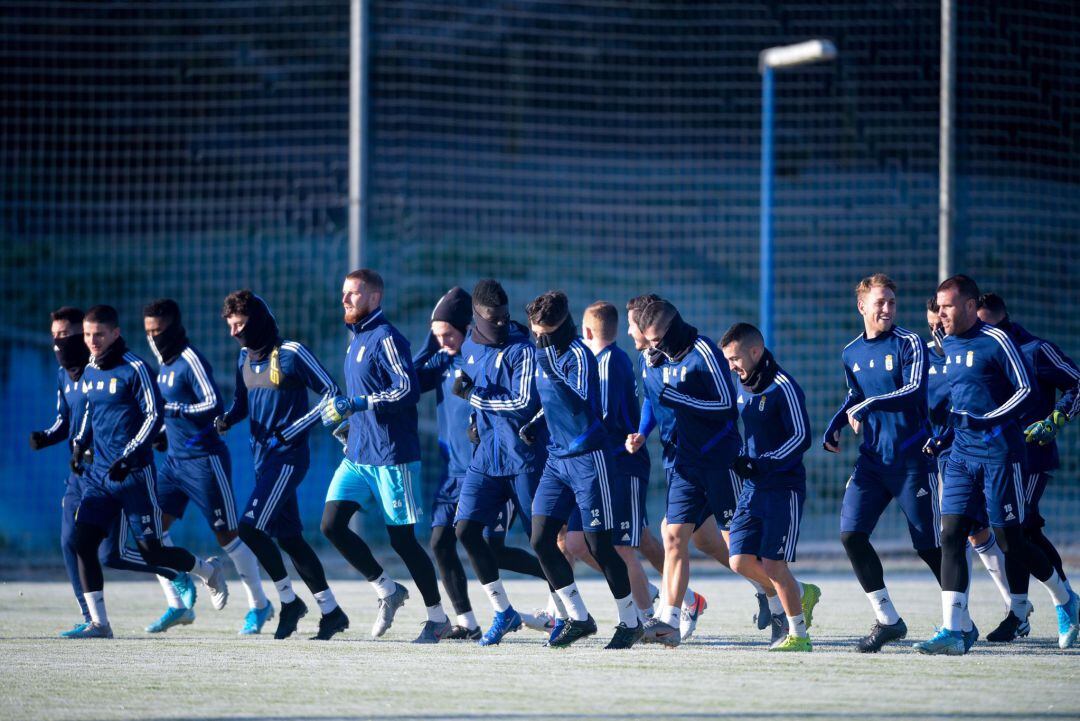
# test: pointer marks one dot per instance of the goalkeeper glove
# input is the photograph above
(1045, 431)
(339, 408)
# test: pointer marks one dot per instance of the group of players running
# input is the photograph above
(547, 429)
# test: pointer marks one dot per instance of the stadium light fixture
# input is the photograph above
(771, 59)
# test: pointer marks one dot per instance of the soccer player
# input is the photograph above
(435, 367)
(1042, 419)
(122, 417)
(198, 467)
(765, 529)
(72, 356)
(701, 400)
(630, 478)
(498, 380)
(576, 477)
(989, 383)
(382, 457)
(886, 370)
(272, 381)
(707, 536)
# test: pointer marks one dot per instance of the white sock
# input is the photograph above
(467, 620)
(670, 615)
(497, 595)
(384, 586)
(1057, 589)
(775, 607)
(95, 601)
(628, 613)
(172, 596)
(645, 614)
(437, 614)
(689, 598)
(202, 570)
(284, 590)
(326, 601)
(572, 602)
(758, 588)
(556, 607)
(248, 568)
(953, 608)
(994, 560)
(1018, 605)
(797, 626)
(883, 607)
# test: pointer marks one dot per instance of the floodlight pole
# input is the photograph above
(771, 59)
(358, 103)
(946, 246)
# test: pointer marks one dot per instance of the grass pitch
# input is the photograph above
(205, 671)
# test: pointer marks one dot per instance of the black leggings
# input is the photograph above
(484, 562)
(1017, 573)
(335, 526)
(545, 534)
(88, 540)
(444, 548)
(1022, 558)
(305, 561)
(867, 565)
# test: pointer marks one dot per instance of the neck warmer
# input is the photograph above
(678, 340)
(260, 334)
(112, 357)
(563, 335)
(168, 344)
(72, 355)
(454, 308)
(763, 374)
(491, 332)
(654, 357)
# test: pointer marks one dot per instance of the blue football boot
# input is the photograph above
(504, 622)
(1068, 625)
(944, 642)
(256, 618)
(172, 617)
(186, 588)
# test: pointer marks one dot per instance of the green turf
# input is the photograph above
(206, 671)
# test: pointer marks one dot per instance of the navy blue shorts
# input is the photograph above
(628, 495)
(694, 493)
(1034, 487)
(976, 488)
(444, 510)
(135, 499)
(580, 482)
(206, 481)
(766, 523)
(486, 499)
(869, 492)
(273, 507)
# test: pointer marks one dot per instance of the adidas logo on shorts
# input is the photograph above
(921, 493)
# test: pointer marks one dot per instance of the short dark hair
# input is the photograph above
(993, 303)
(238, 302)
(68, 313)
(742, 333)
(550, 308)
(104, 314)
(962, 284)
(607, 317)
(931, 304)
(639, 302)
(165, 308)
(657, 314)
(367, 277)
(489, 293)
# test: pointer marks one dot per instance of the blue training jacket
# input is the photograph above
(652, 413)
(379, 365)
(621, 413)
(1054, 371)
(70, 409)
(504, 399)
(937, 393)
(123, 413)
(699, 390)
(776, 428)
(887, 390)
(192, 402)
(435, 370)
(989, 386)
(569, 387)
(274, 393)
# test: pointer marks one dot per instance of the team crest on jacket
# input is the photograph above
(112, 385)
(970, 358)
(761, 404)
(888, 362)
(360, 353)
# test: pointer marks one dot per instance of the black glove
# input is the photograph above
(473, 431)
(119, 470)
(745, 467)
(76, 462)
(221, 425)
(463, 385)
(38, 440)
(161, 442)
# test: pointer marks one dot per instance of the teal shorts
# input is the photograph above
(391, 487)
